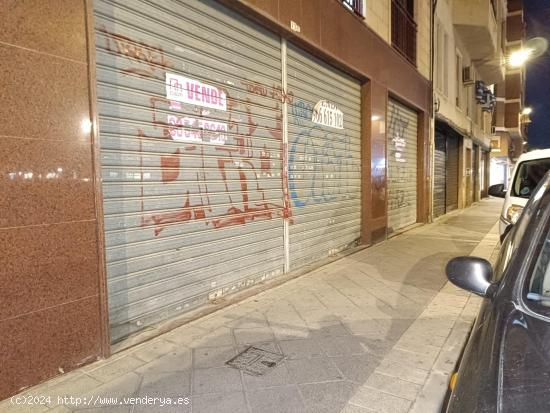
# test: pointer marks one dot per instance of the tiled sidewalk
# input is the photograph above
(376, 331)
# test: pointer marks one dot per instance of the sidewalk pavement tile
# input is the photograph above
(298, 349)
(152, 350)
(357, 368)
(165, 385)
(216, 380)
(379, 401)
(331, 328)
(279, 400)
(106, 372)
(184, 335)
(327, 397)
(253, 335)
(179, 359)
(214, 403)
(352, 408)
(409, 359)
(221, 336)
(393, 385)
(205, 357)
(396, 369)
(342, 346)
(313, 370)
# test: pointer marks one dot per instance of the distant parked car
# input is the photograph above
(529, 170)
(506, 364)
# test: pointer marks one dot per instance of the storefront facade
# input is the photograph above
(466, 73)
(220, 144)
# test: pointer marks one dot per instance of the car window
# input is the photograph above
(539, 286)
(503, 257)
(512, 241)
(528, 176)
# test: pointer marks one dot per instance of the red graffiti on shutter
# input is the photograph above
(170, 165)
(239, 167)
(146, 60)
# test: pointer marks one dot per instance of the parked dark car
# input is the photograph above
(506, 363)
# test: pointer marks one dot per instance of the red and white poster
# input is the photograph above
(194, 92)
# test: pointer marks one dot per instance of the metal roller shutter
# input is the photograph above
(324, 158)
(190, 122)
(482, 174)
(469, 174)
(440, 154)
(402, 167)
(451, 175)
(476, 174)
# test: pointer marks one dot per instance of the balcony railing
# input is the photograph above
(403, 31)
(355, 6)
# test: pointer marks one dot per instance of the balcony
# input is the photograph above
(493, 69)
(355, 6)
(476, 24)
(403, 31)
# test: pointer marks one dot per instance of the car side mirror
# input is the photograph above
(471, 274)
(497, 190)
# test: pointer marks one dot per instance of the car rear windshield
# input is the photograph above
(528, 176)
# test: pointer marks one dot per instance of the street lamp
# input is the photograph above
(519, 57)
(532, 48)
(527, 111)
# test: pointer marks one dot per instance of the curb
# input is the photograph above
(432, 395)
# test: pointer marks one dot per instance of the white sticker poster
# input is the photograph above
(189, 129)
(194, 92)
(327, 114)
(399, 144)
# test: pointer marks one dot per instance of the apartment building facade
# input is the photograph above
(511, 121)
(469, 40)
(161, 155)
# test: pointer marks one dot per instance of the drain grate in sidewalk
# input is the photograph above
(255, 361)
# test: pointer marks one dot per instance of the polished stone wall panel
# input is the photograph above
(43, 97)
(45, 181)
(60, 265)
(51, 318)
(47, 26)
(42, 344)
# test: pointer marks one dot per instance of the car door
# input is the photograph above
(506, 341)
(525, 354)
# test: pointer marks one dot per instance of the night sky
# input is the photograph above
(537, 17)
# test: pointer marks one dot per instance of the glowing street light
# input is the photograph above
(519, 57)
(531, 49)
(526, 111)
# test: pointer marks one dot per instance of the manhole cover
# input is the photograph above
(255, 361)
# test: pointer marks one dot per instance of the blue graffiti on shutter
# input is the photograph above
(328, 152)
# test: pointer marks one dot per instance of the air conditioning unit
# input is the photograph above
(468, 76)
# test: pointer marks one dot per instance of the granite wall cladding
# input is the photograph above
(50, 318)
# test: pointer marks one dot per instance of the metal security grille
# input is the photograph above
(451, 174)
(476, 174)
(190, 120)
(482, 173)
(324, 158)
(440, 154)
(402, 168)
